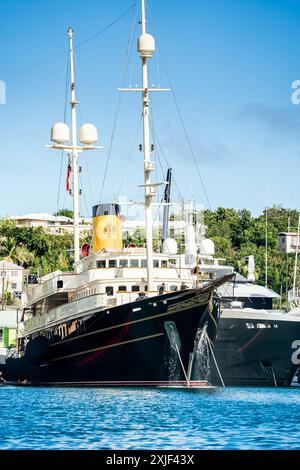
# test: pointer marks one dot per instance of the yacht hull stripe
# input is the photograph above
(143, 338)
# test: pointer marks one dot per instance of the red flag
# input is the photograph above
(68, 177)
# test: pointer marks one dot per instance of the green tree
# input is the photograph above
(65, 213)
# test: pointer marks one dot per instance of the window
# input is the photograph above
(134, 263)
(164, 263)
(14, 273)
(122, 288)
(144, 263)
(13, 285)
(101, 264)
(155, 263)
(135, 288)
(109, 290)
(1, 336)
(112, 263)
(173, 288)
(123, 263)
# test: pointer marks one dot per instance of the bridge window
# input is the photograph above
(155, 263)
(123, 263)
(112, 263)
(122, 288)
(135, 288)
(164, 263)
(101, 263)
(173, 288)
(134, 263)
(109, 290)
(144, 263)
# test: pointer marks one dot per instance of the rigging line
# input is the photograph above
(84, 198)
(118, 103)
(107, 27)
(182, 121)
(129, 157)
(162, 152)
(65, 118)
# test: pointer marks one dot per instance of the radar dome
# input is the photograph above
(169, 246)
(146, 45)
(60, 133)
(88, 134)
(207, 247)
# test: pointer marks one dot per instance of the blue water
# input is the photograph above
(82, 418)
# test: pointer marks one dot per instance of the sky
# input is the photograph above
(231, 64)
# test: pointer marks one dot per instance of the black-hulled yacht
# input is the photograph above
(104, 323)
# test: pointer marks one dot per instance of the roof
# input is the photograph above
(8, 265)
(246, 289)
(293, 234)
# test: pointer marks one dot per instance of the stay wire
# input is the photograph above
(106, 27)
(65, 118)
(129, 157)
(182, 122)
(118, 103)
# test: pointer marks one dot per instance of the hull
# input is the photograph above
(255, 356)
(127, 344)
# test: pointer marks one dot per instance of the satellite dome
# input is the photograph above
(207, 247)
(88, 134)
(146, 45)
(169, 246)
(60, 133)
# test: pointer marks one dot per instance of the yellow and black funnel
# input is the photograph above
(107, 227)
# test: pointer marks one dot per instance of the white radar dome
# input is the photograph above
(146, 45)
(207, 247)
(169, 246)
(60, 133)
(88, 134)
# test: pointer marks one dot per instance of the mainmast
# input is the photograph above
(60, 135)
(74, 153)
(145, 54)
(146, 48)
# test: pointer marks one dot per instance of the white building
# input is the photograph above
(50, 223)
(176, 227)
(59, 224)
(11, 277)
(289, 242)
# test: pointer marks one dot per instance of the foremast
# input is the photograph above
(88, 136)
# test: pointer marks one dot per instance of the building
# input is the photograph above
(11, 278)
(289, 242)
(59, 224)
(176, 227)
(50, 223)
(8, 329)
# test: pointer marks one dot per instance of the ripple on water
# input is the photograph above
(82, 418)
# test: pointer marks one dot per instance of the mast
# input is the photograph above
(146, 48)
(60, 136)
(74, 153)
(148, 166)
(167, 205)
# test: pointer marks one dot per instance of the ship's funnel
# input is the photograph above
(107, 228)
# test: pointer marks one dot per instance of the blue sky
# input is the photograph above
(231, 64)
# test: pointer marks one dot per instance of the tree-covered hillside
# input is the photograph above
(237, 234)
